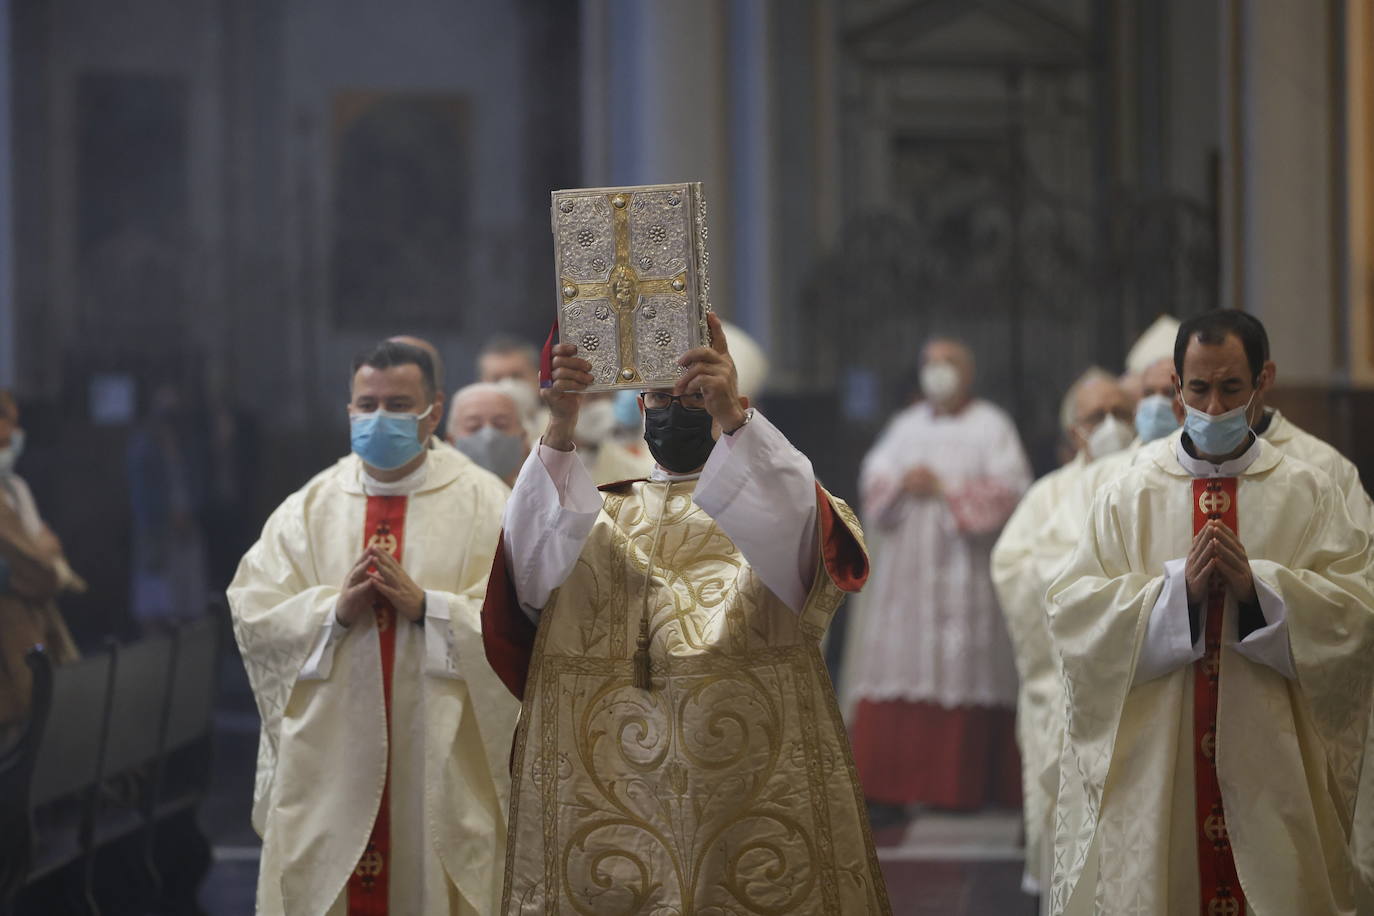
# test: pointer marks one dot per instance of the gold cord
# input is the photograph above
(642, 676)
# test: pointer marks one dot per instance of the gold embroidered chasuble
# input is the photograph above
(1288, 753)
(727, 788)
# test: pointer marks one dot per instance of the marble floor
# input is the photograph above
(935, 864)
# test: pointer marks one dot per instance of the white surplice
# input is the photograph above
(934, 632)
(323, 754)
(1294, 696)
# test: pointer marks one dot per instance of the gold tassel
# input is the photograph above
(642, 679)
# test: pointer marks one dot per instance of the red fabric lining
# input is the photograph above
(507, 634)
(845, 560)
(546, 357)
(1213, 498)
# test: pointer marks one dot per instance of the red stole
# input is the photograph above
(1213, 498)
(367, 886)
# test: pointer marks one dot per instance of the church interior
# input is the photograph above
(207, 207)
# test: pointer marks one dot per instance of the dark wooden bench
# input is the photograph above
(98, 798)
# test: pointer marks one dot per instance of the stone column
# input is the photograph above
(1280, 138)
(655, 76)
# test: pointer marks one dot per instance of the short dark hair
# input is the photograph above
(389, 354)
(1212, 328)
(502, 344)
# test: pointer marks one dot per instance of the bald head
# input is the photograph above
(429, 348)
(484, 404)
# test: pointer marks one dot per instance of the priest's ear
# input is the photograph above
(744, 402)
(1266, 378)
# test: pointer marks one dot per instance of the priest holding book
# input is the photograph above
(680, 748)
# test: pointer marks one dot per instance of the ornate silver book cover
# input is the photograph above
(633, 290)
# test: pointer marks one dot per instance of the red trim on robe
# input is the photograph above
(546, 357)
(369, 885)
(845, 560)
(960, 759)
(1213, 498)
(507, 633)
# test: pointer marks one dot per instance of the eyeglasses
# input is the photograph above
(655, 400)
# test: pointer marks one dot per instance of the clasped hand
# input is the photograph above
(1218, 553)
(378, 575)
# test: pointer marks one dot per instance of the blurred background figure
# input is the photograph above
(937, 688)
(514, 363)
(33, 571)
(165, 470)
(1097, 423)
(486, 423)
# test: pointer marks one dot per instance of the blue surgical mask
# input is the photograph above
(1154, 417)
(1219, 435)
(387, 440)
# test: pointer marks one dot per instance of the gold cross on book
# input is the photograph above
(631, 267)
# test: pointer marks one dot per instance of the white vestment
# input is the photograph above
(1039, 701)
(934, 633)
(1293, 440)
(323, 754)
(1294, 703)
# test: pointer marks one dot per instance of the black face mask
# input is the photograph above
(679, 439)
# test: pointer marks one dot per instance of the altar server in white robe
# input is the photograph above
(1215, 627)
(1096, 418)
(936, 680)
(382, 764)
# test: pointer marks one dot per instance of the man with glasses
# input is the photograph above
(680, 748)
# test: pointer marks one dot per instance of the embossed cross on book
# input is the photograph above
(633, 289)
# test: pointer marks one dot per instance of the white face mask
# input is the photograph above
(1111, 435)
(9, 455)
(940, 382)
(596, 422)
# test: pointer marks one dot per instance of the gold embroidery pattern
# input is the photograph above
(728, 788)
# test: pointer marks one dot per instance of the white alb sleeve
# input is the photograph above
(762, 493)
(1269, 644)
(1168, 643)
(320, 661)
(441, 652)
(549, 515)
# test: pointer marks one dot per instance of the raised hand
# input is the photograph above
(571, 376)
(711, 371)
